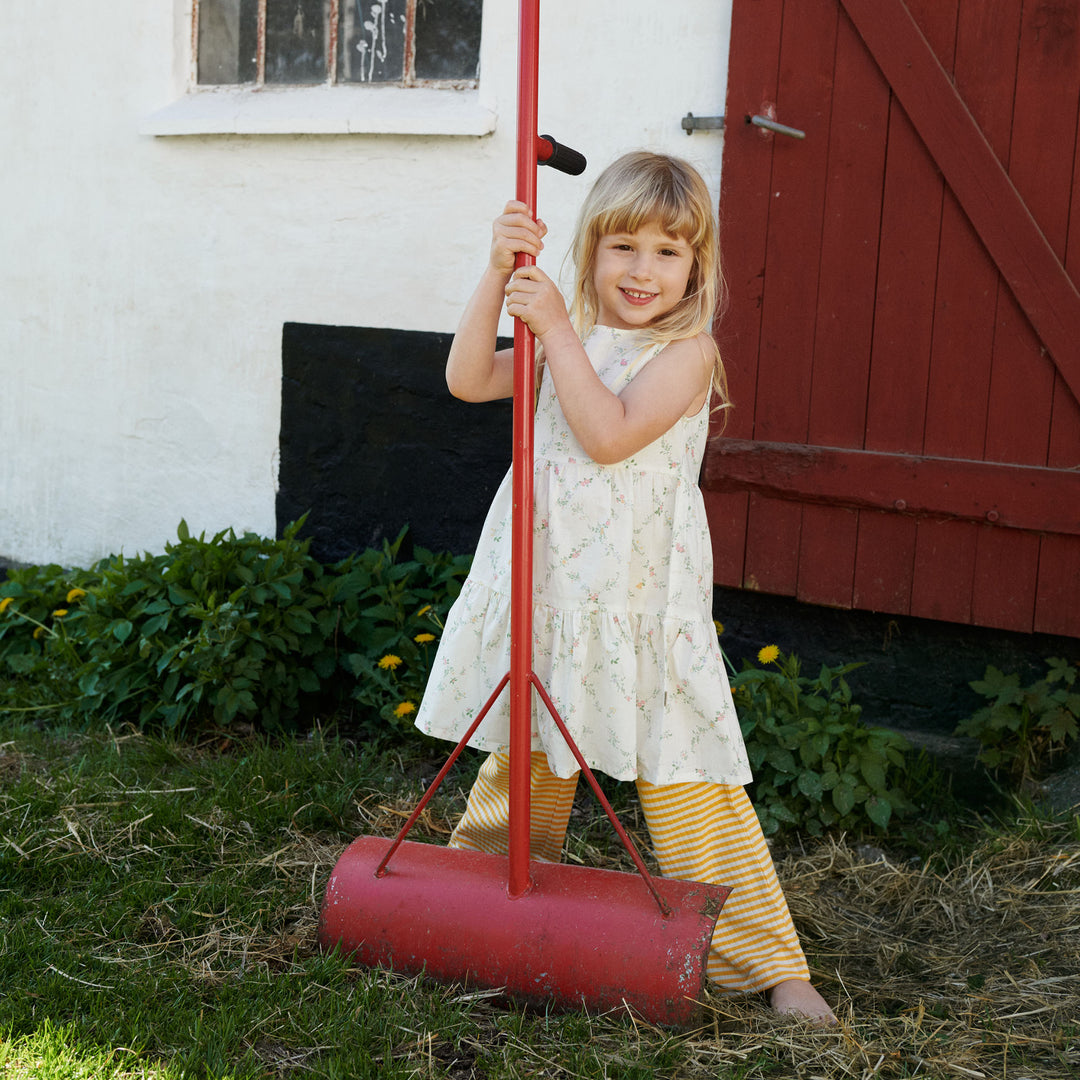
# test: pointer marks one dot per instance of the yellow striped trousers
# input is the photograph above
(700, 832)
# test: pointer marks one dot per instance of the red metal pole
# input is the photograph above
(521, 600)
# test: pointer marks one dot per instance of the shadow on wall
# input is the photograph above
(916, 671)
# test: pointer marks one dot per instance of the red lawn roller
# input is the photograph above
(544, 933)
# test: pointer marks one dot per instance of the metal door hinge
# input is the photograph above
(692, 123)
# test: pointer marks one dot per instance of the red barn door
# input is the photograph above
(903, 339)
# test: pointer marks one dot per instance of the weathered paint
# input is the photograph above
(904, 323)
(579, 935)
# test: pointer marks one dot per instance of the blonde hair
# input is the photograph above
(636, 189)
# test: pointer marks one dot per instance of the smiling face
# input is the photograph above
(640, 276)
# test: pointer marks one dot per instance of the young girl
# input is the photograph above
(623, 635)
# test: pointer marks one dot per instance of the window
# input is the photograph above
(405, 43)
(331, 67)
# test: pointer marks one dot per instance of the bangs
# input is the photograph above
(674, 216)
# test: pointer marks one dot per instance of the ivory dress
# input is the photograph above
(623, 637)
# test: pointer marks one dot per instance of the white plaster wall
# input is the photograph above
(144, 280)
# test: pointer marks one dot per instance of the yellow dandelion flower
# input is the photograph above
(768, 654)
(38, 632)
(75, 594)
(424, 639)
(404, 709)
(6, 603)
(389, 662)
(424, 610)
(60, 612)
(719, 627)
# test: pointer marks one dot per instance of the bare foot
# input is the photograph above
(798, 998)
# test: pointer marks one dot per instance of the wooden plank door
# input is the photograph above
(903, 337)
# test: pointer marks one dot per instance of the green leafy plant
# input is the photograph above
(208, 631)
(221, 631)
(816, 765)
(383, 616)
(1024, 730)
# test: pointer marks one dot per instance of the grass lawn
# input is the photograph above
(158, 909)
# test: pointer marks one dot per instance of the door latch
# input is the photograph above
(772, 125)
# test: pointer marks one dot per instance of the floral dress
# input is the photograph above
(623, 637)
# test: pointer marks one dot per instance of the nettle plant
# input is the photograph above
(1025, 730)
(382, 623)
(816, 765)
(222, 631)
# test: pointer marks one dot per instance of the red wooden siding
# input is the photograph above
(903, 341)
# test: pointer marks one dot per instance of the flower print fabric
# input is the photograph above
(623, 636)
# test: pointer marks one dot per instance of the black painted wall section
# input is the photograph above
(371, 441)
(915, 672)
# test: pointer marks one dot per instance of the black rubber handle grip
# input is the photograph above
(560, 157)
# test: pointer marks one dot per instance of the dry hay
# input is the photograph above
(944, 968)
(961, 970)
(298, 867)
(950, 968)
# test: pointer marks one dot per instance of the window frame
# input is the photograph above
(428, 107)
(408, 80)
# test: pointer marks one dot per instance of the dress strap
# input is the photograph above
(649, 351)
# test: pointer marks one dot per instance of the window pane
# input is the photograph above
(447, 39)
(296, 39)
(227, 41)
(372, 41)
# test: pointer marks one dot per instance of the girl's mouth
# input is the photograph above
(635, 296)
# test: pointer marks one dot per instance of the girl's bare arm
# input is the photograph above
(613, 427)
(475, 370)
(609, 427)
